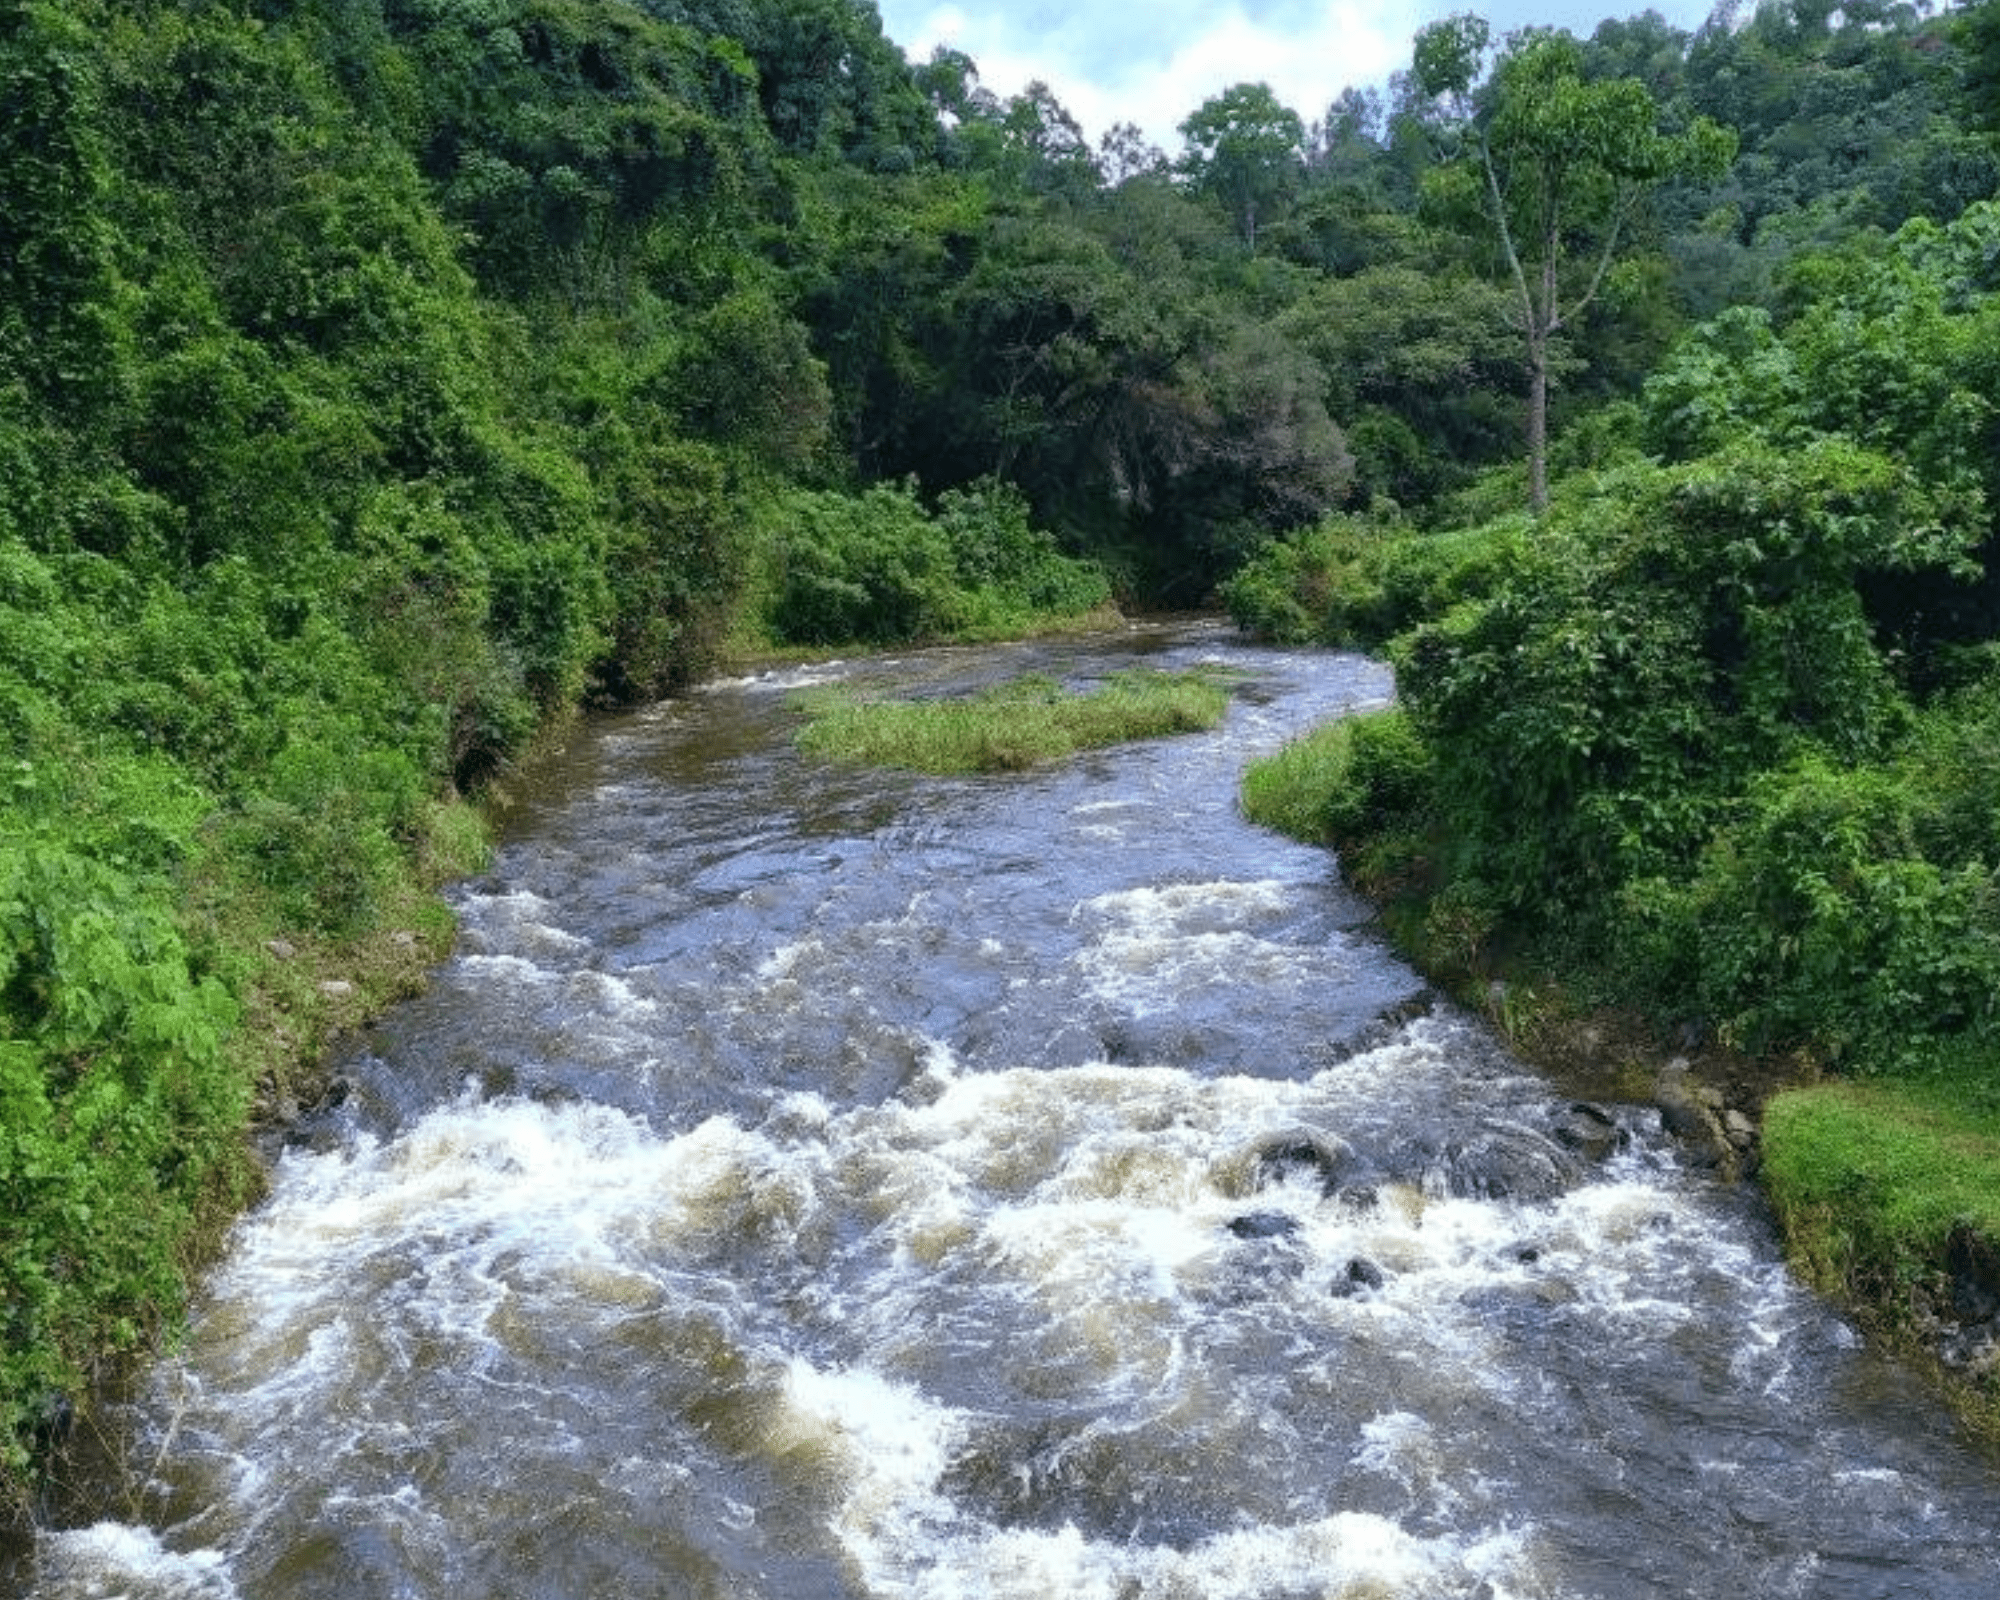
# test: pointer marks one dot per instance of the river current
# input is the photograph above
(810, 1182)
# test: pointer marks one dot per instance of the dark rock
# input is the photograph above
(1303, 1153)
(1357, 1277)
(1974, 1350)
(1388, 1025)
(1973, 1260)
(1505, 1162)
(1264, 1225)
(338, 1088)
(1590, 1130)
(1521, 1306)
(1359, 1197)
(1687, 1115)
(1527, 1254)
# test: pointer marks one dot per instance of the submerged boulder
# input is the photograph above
(1264, 1225)
(1589, 1130)
(1504, 1161)
(1303, 1152)
(1357, 1277)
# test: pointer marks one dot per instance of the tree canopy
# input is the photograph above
(1560, 163)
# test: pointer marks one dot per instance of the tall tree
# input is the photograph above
(1049, 150)
(1558, 165)
(1247, 149)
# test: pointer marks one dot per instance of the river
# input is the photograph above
(809, 1182)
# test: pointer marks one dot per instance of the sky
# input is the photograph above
(1151, 62)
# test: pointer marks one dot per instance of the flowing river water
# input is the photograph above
(812, 1183)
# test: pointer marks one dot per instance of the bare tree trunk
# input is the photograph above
(1538, 425)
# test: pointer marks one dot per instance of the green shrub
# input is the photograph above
(1653, 648)
(875, 568)
(1424, 575)
(119, 1120)
(1814, 919)
(1343, 781)
(1348, 582)
(327, 828)
(869, 568)
(674, 571)
(1309, 588)
(1016, 568)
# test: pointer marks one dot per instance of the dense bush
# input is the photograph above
(878, 568)
(118, 1119)
(1344, 782)
(1722, 729)
(1660, 643)
(1350, 582)
(1856, 909)
(1317, 586)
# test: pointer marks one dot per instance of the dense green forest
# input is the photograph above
(1716, 738)
(383, 380)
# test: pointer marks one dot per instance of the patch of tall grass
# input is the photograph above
(1288, 791)
(1027, 722)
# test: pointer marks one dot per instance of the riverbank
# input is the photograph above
(293, 992)
(1886, 1194)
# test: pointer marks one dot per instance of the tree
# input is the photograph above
(1558, 166)
(1979, 39)
(1125, 152)
(1048, 148)
(1245, 148)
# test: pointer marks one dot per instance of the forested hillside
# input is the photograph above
(382, 380)
(1716, 740)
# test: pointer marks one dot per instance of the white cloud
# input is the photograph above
(1340, 45)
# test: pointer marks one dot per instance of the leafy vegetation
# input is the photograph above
(1717, 740)
(879, 569)
(383, 380)
(1557, 163)
(1027, 722)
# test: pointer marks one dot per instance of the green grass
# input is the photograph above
(1288, 791)
(1361, 784)
(1870, 1179)
(1026, 722)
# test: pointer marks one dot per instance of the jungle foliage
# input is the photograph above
(1721, 727)
(1713, 740)
(382, 380)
